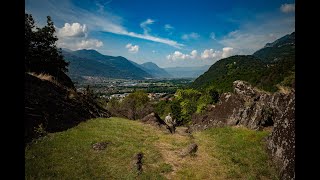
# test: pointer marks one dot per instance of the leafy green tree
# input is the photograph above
(136, 104)
(202, 103)
(41, 52)
(175, 109)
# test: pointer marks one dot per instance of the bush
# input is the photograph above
(135, 106)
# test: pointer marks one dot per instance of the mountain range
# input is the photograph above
(187, 72)
(92, 63)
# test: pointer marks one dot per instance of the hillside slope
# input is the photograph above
(51, 107)
(92, 63)
(69, 154)
(282, 47)
(267, 68)
(155, 70)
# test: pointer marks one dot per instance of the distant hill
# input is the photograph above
(92, 63)
(266, 68)
(222, 74)
(187, 72)
(155, 70)
(282, 47)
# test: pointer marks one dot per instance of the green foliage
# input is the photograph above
(213, 95)
(175, 109)
(41, 52)
(289, 80)
(137, 98)
(191, 94)
(187, 109)
(134, 106)
(186, 103)
(202, 103)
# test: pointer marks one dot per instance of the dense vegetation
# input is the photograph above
(224, 153)
(186, 102)
(224, 72)
(41, 52)
(266, 69)
(134, 106)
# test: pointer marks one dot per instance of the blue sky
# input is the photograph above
(167, 32)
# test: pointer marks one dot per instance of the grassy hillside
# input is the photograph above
(224, 72)
(267, 68)
(224, 153)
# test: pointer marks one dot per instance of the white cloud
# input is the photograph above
(76, 44)
(144, 24)
(192, 35)
(168, 27)
(194, 54)
(132, 48)
(74, 36)
(227, 51)
(251, 37)
(154, 51)
(179, 55)
(210, 54)
(73, 30)
(67, 12)
(287, 8)
(213, 35)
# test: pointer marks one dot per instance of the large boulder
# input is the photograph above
(281, 142)
(190, 150)
(155, 120)
(256, 109)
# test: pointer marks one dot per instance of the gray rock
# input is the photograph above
(256, 110)
(190, 150)
(137, 162)
(100, 146)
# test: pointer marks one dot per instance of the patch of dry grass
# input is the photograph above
(45, 77)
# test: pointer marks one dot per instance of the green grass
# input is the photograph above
(241, 150)
(68, 155)
(223, 153)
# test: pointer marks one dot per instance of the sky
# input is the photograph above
(169, 33)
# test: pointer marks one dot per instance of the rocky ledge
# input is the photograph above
(257, 110)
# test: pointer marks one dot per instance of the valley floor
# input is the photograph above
(223, 153)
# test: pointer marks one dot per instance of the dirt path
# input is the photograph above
(201, 166)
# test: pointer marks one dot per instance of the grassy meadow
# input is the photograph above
(223, 153)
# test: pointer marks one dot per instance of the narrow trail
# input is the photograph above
(201, 166)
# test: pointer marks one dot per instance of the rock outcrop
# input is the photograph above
(190, 150)
(137, 162)
(256, 110)
(155, 120)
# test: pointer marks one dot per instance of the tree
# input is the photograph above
(136, 104)
(41, 52)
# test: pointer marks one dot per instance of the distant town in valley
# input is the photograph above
(108, 88)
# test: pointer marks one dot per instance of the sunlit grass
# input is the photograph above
(223, 153)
